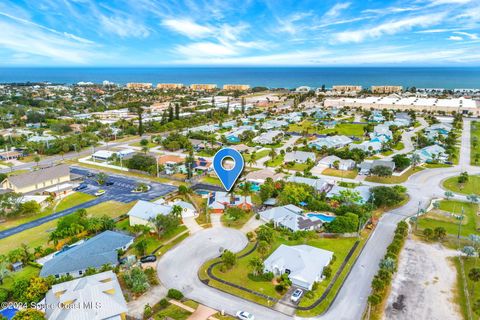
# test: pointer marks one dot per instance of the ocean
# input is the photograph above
(272, 77)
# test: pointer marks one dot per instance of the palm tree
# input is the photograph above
(415, 159)
(257, 266)
(474, 276)
(177, 211)
(272, 153)
(145, 149)
(246, 190)
(253, 159)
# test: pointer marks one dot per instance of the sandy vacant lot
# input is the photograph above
(423, 287)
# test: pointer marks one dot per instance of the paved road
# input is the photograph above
(119, 191)
(178, 269)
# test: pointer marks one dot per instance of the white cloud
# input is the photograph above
(472, 36)
(205, 49)
(388, 28)
(455, 38)
(188, 28)
(337, 9)
(124, 27)
(441, 2)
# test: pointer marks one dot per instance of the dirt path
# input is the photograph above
(425, 280)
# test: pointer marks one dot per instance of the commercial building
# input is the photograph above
(170, 86)
(460, 105)
(346, 88)
(139, 85)
(386, 89)
(236, 87)
(203, 87)
(36, 180)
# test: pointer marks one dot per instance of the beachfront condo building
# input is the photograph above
(236, 87)
(386, 89)
(347, 88)
(203, 87)
(139, 85)
(170, 86)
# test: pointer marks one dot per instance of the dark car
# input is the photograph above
(149, 258)
(109, 183)
(90, 174)
(81, 187)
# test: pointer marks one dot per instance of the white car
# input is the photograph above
(296, 295)
(244, 315)
(99, 193)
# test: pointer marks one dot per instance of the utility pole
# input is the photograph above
(417, 216)
(459, 227)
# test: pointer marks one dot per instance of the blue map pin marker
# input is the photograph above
(228, 176)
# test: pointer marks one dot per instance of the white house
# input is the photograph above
(320, 185)
(343, 164)
(331, 142)
(303, 263)
(188, 210)
(268, 137)
(290, 217)
(299, 156)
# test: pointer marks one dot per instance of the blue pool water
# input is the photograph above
(322, 217)
(9, 312)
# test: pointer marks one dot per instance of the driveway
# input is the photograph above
(178, 269)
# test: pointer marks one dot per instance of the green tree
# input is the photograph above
(257, 266)
(101, 178)
(440, 233)
(4, 271)
(29, 314)
(253, 159)
(229, 259)
(141, 247)
(449, 195)
(428, 233)
(474, 276)
(263, 247)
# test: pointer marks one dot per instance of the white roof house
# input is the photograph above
(143, 211)
(188, 210)
(291, 217)
(433, 152)
(363, 192)
(100, 291)
(343, 164)
(260, 176)
(304, 264)
(368, 146)
(320, 185)
(299, 156)
(331, 142)
(267, 137)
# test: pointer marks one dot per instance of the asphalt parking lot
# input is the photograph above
(122, 187)
(120, 190)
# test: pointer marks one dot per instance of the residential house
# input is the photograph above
(331, 142)
(381, 133)
(291, 217)
(171, 163)
(202, 165)
(368, 146)
(144, 211)
(343, 164)
(268, 137)
(219, 201)
(363, 192)
(303, 263)
(98, 297)
(367, 165)
(260, 176)
(376, 116)
(320, 185)
(440, 128)
(273, 124)
(10, 155)
(37, 180)
(299, 156)
(95, 252)
(432, 153)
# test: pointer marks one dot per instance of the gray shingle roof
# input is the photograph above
(39, 176)
(94, 252)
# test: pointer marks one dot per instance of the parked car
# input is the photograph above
(99, 193)
(296, 295)
(109, 183)
(244, 315)
(81, 187)
(90, 174)
(149, 258)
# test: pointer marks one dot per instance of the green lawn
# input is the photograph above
(436, 165)
(172, 312)
(305, 126)
(211, 180)
(26, 273)
(463, 266)
(259, 154)
(399, 146)
(469, 226)
(350, 174)
(228, 221)
(153, 241)
(38, 236)
(299, 167)
(347, 129)
(67, 202)
(394, 179)
(472, 186)
(475, 142)
(149, 145)
(277, 161)
(239, 273)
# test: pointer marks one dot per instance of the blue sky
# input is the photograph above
(253, 33)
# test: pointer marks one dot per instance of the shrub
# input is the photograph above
(267, 276)
(175, 294)
(327, 272)
(3, 295)
(280, 288)
(147, 311)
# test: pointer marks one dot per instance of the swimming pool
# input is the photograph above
(322, 217)
(9, 312)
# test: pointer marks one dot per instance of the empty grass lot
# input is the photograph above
(70, 201)
(433, 220)
(26, 273)
(394, 179)
(38, 236)
(475, 143)
(472, 186)
(348, 174)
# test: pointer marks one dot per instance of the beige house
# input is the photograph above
(387, 89)
(37, 180)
